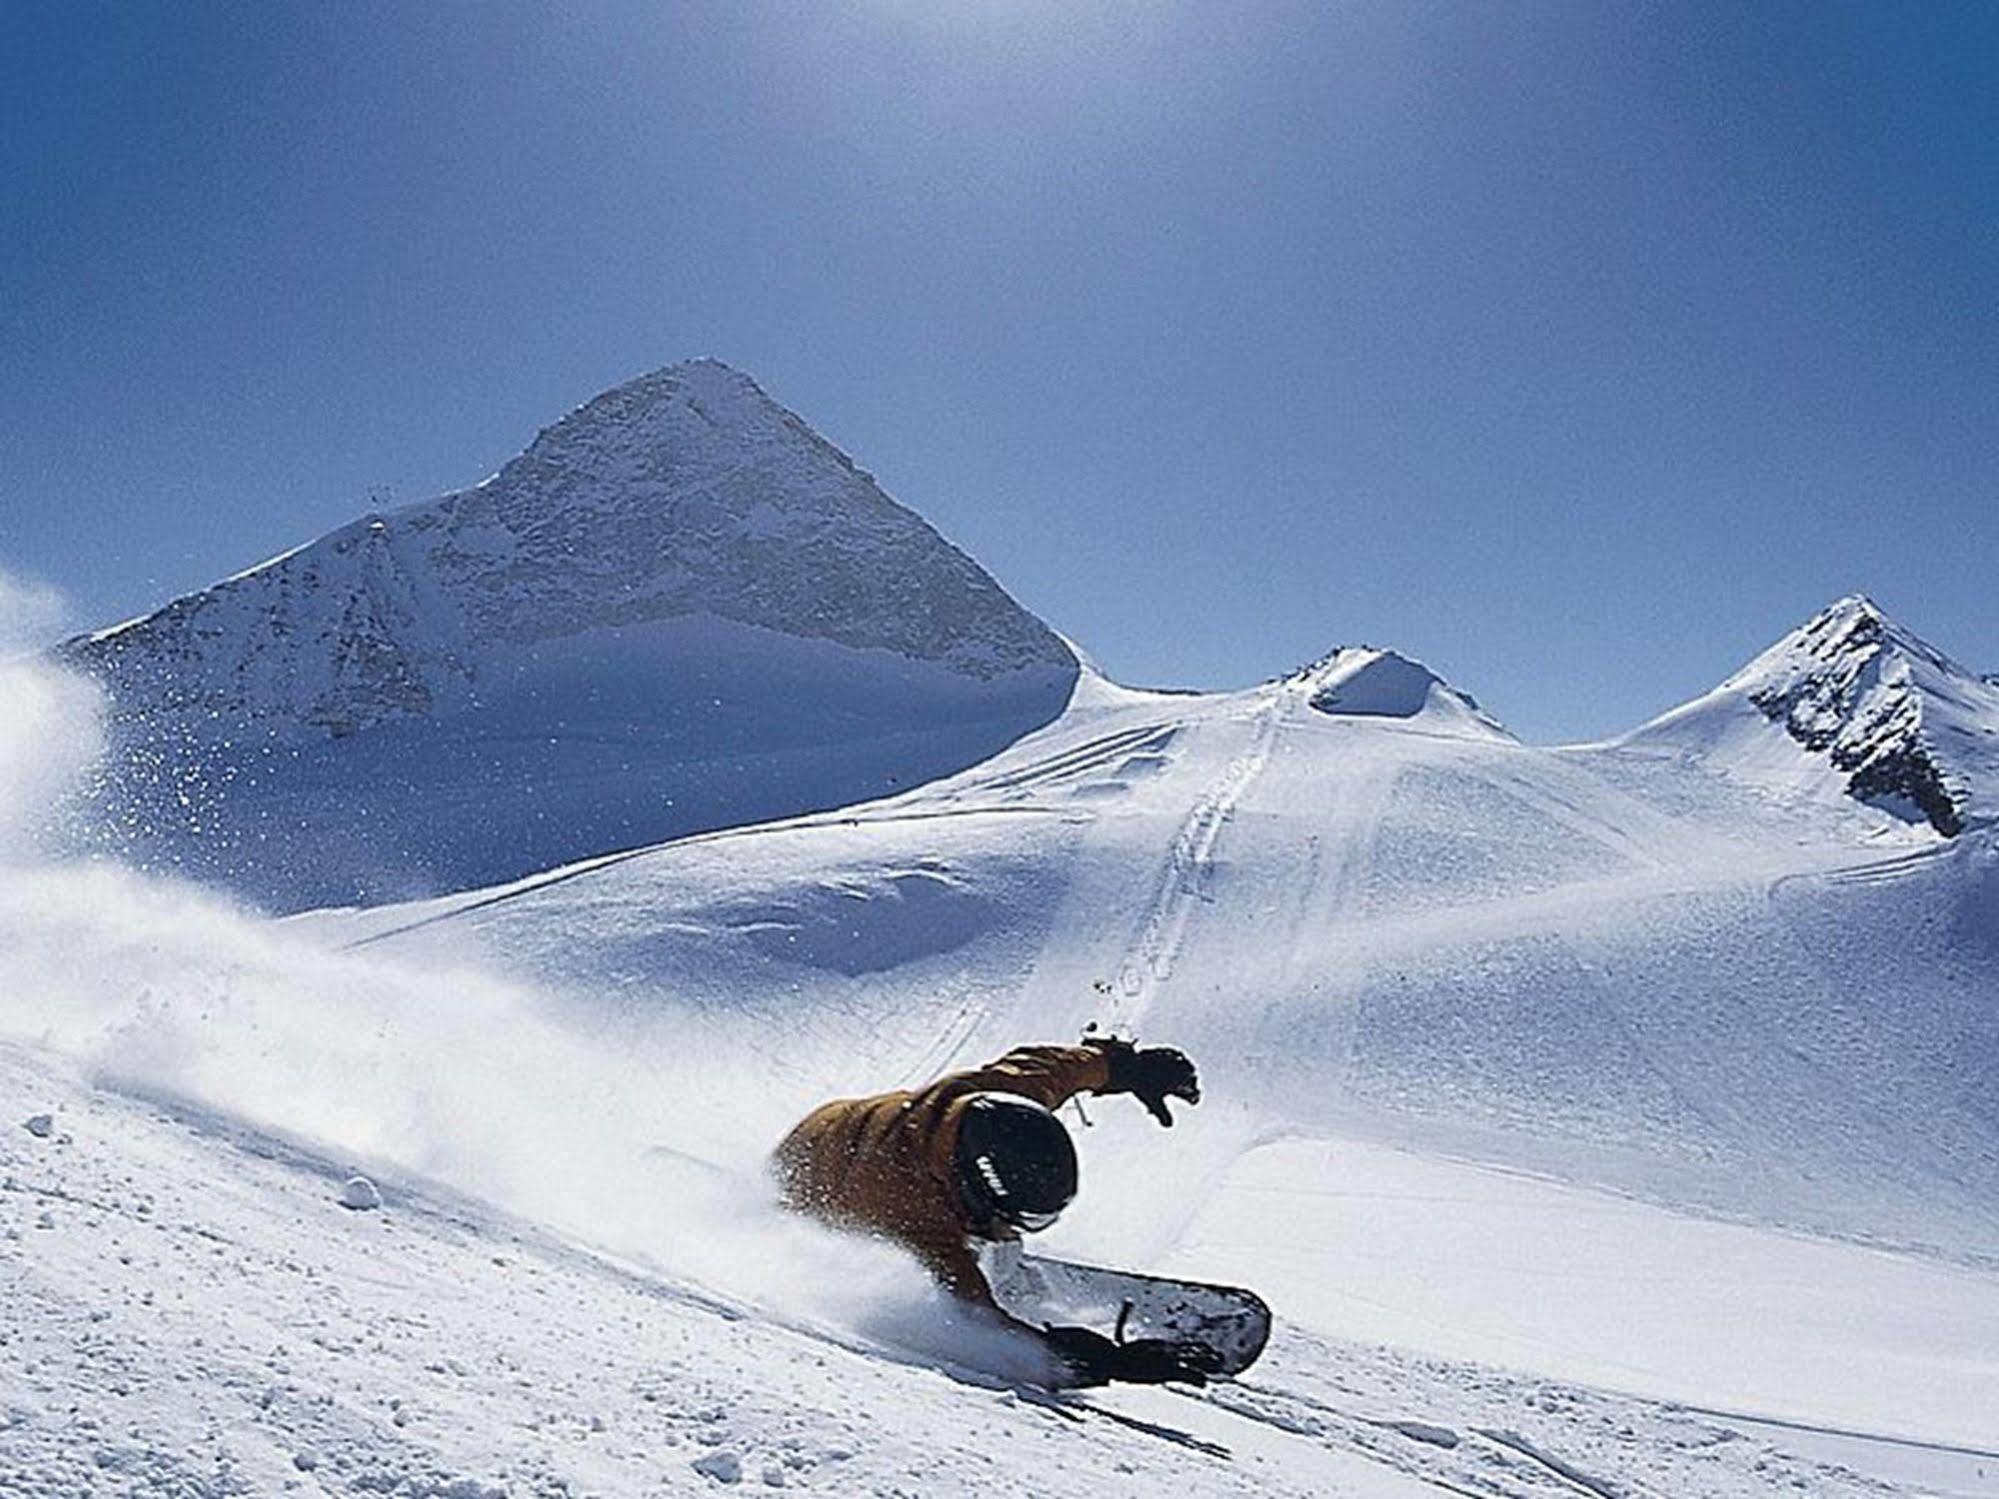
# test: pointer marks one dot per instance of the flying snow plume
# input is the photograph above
(51, 732)
(32, 614)
(430, 1074)
(51, 724)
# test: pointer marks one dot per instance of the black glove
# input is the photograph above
(1157, 1360)
(1090, 1356)
(1151, 1076)
(1093, 1359)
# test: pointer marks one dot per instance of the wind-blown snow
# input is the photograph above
(191, 1311)
(31, 613)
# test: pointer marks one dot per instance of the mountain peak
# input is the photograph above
(678, 579)
(1856, 629)
(686, 380)
(690, 421)
(1361, 681)
(685, 492)
(1853, 604)
(1897, 723)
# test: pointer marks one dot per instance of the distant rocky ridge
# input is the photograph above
(1847, 697)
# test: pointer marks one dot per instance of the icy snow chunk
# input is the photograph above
(1424, 1431)
(360, 1194)
(465, 1488)
(723, 1466)
(1382, 685)
(41, 1126)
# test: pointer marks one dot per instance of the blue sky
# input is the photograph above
(1579, 349)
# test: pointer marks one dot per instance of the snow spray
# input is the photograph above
(431, 1073)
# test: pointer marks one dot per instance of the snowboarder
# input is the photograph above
(979, 1157)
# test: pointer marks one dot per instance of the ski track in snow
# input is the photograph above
(1183, 878)
(1068, 764)
(1328, 893)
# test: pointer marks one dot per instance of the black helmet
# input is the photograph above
(1016, 1163)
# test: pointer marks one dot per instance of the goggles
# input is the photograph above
(1030, 1223)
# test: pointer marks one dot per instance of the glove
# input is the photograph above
(1158, 1360)
(1093, 1359)
(1151, 1076)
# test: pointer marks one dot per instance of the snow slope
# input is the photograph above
(1710, 1017)
(1605, 1063)
(191, 1311)
(1385, 923)
(680, 608)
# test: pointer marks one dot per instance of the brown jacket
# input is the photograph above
(887, 1164)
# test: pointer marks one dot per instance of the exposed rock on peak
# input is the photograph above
(1900, 725)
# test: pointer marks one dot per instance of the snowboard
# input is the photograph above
(1232, 1323)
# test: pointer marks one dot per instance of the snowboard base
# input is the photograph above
(1232, 1323)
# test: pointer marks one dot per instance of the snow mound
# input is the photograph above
(1365, 682)
(1853, 703)
(723, 1466)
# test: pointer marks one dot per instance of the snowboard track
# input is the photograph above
(1093, 754)
(540, 883)
(1189, 865)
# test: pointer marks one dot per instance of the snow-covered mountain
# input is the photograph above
(1388, 916)
(1852, 702)
(1658, 1066)
(680, 608)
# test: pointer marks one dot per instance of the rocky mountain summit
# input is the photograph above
(1889, 718)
